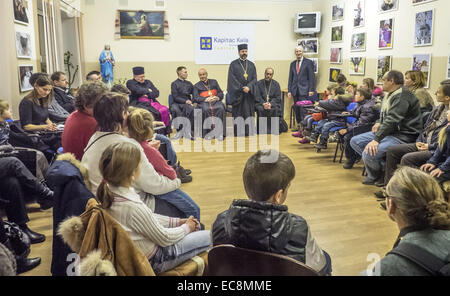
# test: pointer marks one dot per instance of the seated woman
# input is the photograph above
(415, 202)
(34, 115)
(165, 241)
(415, 82)
(25, 154)
(111, 112)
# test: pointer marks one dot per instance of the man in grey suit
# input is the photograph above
(301, 81)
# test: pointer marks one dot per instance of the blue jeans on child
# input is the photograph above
(171, 154)
(328, 126)
(308, 121)
(191, 245)
(374, 164)
(183, 202)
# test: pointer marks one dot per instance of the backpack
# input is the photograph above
(283, 125)
(427, 261)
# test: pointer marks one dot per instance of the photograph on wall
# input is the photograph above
(25, 72)
(21, 11)
(310, 46)
(424, 28)
(417, 2)
(385, 37)
(336, 33)
(316, 64)
(387, 5)
(448, 67)
(422, 63)
(336, 56)
(358, 42)
(357, 65)
(338, 12)
(141, 24)
(358, 13)
(23, 45)
(334, 72)
(384, 65)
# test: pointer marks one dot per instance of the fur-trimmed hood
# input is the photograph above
(65, 168)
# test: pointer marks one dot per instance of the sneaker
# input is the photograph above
(312, 138)
(304, 141)
(298, 134)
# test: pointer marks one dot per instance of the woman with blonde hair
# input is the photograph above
(165, 241)
(415, 81)
(416, 203)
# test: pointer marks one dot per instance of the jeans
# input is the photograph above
(181, 201)
(319, 127)
(171, 154)
(328, 126)
(169, 257)
(374, 164)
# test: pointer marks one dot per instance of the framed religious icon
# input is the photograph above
(141, 24)
(336, 33)
(25, 72)
(423, 33)
(422, 63)
(386, 32)
(384, 65)
(357, 65)
(21, 11)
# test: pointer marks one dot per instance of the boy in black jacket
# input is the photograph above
(263, 223)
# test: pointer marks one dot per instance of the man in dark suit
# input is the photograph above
(301, 81)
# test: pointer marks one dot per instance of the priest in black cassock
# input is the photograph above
(208, 95)
(268, 102)
(144, 95)
(182, 105)
(241, 88)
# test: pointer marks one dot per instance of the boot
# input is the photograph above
(45, 196)
(181, 174)
(35, 237)
(27, 264)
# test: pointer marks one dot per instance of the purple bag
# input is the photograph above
(303, 103)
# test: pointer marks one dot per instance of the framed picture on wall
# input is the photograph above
(358, 42)
(338, 12)
(357, 66)
(310, 45)
(336, 56)
(417, 2)
(448, 67)
(141, 24)
(337, 33)
(387, 5)
(316, 65)
(358, 8)
(23, 45)
(25, 72)
(334, 72)
(386, 34)
(422, 63)
(384, 65)
(423, 33)
(21, 11)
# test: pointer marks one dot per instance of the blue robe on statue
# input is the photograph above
(106, 67)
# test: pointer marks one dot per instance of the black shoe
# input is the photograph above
(188, 171)
(35, 237)
(181, 174)
(321, 145)
(348, 164)
(383, 205)
(379, 195)
(45, 204)
(27, 264)
(45, 196)
(368, 181)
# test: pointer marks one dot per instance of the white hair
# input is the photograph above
(300, 48)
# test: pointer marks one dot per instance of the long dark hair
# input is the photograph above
(41, 81)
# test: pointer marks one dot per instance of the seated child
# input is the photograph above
(439, 164)
(165, 241)
(366, 113)
(337, 105)
(262, 222)
(11, 138)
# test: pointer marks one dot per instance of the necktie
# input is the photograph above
(298, 67)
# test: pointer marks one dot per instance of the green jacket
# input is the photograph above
(400, 117)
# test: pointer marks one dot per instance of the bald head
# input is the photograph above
(203, 74)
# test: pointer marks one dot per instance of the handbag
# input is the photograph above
(19, 240)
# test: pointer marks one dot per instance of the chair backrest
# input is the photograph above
(170, 100)
(350, 108)
(227, 260)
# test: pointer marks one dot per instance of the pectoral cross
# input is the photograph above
(268, 99)
(245, 75)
